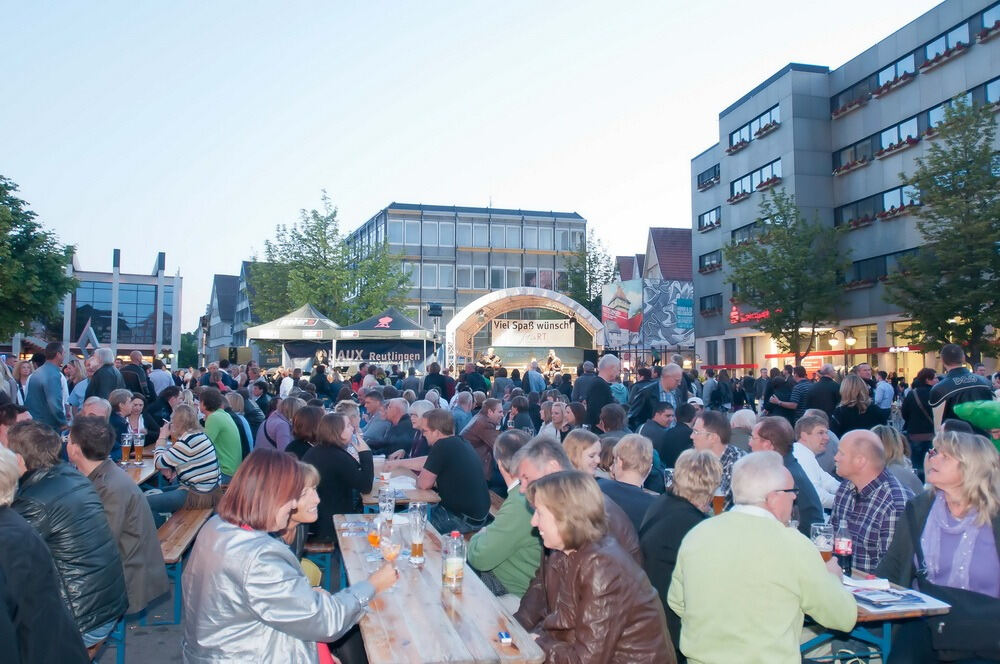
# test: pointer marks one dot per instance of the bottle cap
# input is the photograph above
(455, 533)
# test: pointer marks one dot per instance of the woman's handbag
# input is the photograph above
(970, 628)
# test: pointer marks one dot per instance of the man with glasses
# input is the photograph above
(711, 432)
(775, 434)
(720, 597)
(669, 389)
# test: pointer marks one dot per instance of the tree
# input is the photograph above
(587, 271)
(789, 270)
(187, 356)
(33, 264)
(310, 263)
(951, 287)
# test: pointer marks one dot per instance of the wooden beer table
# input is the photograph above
(141, 474)
(420, 621)
(370, 500)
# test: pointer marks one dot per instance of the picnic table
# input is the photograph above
(141, 474)
(420, 621)
(370, 500)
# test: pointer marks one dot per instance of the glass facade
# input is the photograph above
(136, 314)
(92, 302)
(168, 315)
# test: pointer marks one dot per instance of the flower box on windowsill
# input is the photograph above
(772, 181)
(931, 133)
(711, 312)
(708, 227)
(893, 212)
(855, 224)
(851, 166)
(941, 58)
(733, 149)
(767, 129)
(988, 33)
(889, 86)
(738, 198)
(905, 143)
(849, 107)
(708, 184)
(710, 268)
(859, 284)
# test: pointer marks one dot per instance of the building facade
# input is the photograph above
(837, 140)
(221, 313)
(454, 255)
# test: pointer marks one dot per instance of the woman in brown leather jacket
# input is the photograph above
(600, 606)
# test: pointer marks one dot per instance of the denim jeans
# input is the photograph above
(171, 500)
(446, 521)
(98, 634)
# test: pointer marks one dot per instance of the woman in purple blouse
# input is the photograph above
(959, 518)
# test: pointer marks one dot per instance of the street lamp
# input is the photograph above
(849, 342)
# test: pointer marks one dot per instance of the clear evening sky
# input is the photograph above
(195, 127)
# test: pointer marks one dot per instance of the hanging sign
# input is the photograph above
(533, 333)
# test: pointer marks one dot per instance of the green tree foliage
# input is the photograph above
(587, 271)
(187, 356)
(309, 262)
(32, 265)
(951, 288)
(790, 268)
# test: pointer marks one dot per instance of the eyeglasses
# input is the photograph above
(791, 491)
(699, 432)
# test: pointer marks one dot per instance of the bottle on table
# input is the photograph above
(453, 561)
(843, 548)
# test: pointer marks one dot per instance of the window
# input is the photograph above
(136, 313)
(496, 278)
(168, 314)
(531, 237)
(894, 262)
(729, 351)
(868, 269)
(496, 236)
(545, 239)
(993, 88)
(744, 233)
(413, 233)
(479, 277)
(748, 131)
(709, 219)
(707, 175)
(530, 277)
(867, 208)
(710, 302)
(463, 238)
(710, 260)
(750, 181)
(576, 240)
(562, 280)
(562, 239)
(464, 276)
(545, 279)
(902, 131)
(430, 233)
(991, 16)
(480, 235)
(93, 302)
(430, 279)
(447, 233)
(446, 276)
(513, 237)
(409, 271)
(513, 276)
(863, 149)
(712, 352)
(905, 65)
(396, 232)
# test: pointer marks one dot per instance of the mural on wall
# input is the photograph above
(621, 312)
(667, 313)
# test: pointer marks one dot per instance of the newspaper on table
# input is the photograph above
(878, 596)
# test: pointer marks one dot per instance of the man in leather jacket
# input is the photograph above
(106, 379)
(670, 385)
(65, 510)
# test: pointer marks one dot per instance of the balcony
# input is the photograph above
(894, 84)
(713, 311)
(711, 267)
(733, 149)
(903, 144)
(708, 184)
(766, 129)
(859, 284)
(709, 227)
(769, 183)
(849, 107)
(894, 212)
(738, 198)
(941, 58)
(850, 166)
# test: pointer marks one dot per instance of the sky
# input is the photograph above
(195, 128)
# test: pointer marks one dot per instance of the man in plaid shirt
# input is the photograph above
(870, 500)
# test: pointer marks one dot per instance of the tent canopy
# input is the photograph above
(390, 324)
(305, 323)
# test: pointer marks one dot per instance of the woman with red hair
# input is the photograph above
(245, 595)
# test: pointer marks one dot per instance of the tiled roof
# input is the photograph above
(640, 262)
(226, 287)
(625, 265)
(673, 252)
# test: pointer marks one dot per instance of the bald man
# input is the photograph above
(136, 378)
(869, 501)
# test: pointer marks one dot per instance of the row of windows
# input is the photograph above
(747, 131)
(729, 348)
(710, 218)
(872, 205)
(498, 236)
(710, 260)
(960, 34)
(988, 93)
(481, 277)
(870, 269)
(711, 173)
(710, 302)
(749, 182)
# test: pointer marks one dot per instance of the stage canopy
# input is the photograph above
(390, 324)
(388, 338)
(303, 324)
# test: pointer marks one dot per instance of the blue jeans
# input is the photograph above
(98, 634)
(446, 521)
(171, 500)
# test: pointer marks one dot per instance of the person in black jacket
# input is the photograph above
(162, 408)
(776, 434)
(677, 438)
(824, 393)
(106, 379)
(66, 512)
(598, 391)
(135, 377)
(670, 518)
(435, 381)
(855, 410)
(670, 385)
(340, 474)
(42, 626)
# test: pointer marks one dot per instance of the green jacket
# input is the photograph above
(509, 547)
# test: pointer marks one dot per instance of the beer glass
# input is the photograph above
(718, 501)
(138, 443)
(386, 502)
(126, 439)
(418, 523)
(821, 535)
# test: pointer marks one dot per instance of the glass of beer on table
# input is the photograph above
(138, 443)
(126, 441)
(417, 524)
(718, 501)
(821, 535)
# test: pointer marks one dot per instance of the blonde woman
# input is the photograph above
(8, 385)
(22, 371)
(584, 450)
(855, 410)
(697, 473)
(185, 455)
(957, 524)
(897, 457)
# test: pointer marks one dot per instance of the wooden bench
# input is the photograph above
(495, 503)
(321, 553)
(176, 537)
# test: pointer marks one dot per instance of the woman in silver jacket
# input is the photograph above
(245, 596)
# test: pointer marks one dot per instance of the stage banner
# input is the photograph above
(621, 312)
(533, 333)
(381, 351)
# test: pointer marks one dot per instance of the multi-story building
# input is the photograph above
(837, 140)
(221, 313)
(454, 255)
(125, 311)
(243, 318)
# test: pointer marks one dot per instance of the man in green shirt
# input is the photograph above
(749, 608)
(507, 552)
(221, 430)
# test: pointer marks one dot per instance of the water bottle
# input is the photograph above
(843, 548)
(453, 562)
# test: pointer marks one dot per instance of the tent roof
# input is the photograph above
(303, 323)
(390, 324)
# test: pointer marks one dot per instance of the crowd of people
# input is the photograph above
(602, 548)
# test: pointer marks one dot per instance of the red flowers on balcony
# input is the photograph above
(708, 227)
(849, 107)
(860, 222)
(711, 267)
(899, 146)
(941, 58)
(733, 149)
(708, 184)
(894, 211)
(858, 284)
(889, 86)
(767, 129)
(851, 166)
(772, 181)
(738, 198)
(987, 34)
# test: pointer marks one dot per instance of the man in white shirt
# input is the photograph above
(287, 383)
(812, 437)
(160, 377)
(884, 392)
